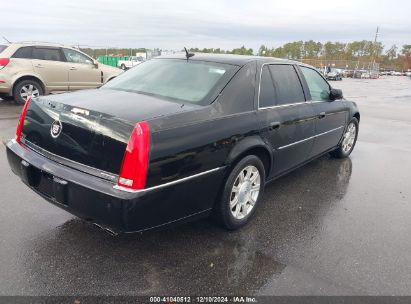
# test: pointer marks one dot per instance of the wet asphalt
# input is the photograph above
(332, 227)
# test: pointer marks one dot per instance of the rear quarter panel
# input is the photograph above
(16, 69)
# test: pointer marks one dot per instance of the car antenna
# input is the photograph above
(6, 39)
(188, 55)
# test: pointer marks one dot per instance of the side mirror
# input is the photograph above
(335, 94)
(95, 63)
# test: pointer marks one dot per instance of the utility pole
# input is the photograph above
(375, 52)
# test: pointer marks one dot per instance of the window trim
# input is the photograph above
(283, 105)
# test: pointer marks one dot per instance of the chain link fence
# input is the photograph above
(350, 68)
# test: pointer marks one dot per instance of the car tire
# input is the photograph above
(242, 192)
(32, 87)
(123, 67)
(348, 141)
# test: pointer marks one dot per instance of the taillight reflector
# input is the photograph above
(21, 120)
(133, 172)
(4, 62)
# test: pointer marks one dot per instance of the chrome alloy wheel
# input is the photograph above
(244, 193)
(29, 90)
(349, 138)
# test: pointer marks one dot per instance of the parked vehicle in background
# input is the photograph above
(131, 62)
(365, 75)
(334, 74)
(176, 139)
(397, 74)
(348, 73)
(37, 68)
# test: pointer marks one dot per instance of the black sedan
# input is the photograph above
(179, 138)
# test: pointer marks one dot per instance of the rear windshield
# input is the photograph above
(191, 81)
(3, 47)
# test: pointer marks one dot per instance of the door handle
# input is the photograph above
(73, 69)
(322, 115)
(40, 66)
(274, 126)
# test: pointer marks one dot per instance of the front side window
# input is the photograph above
(76, 57)
(46, 54)
(319, 88)
(287, 84)
(193, 81)
(23, 52)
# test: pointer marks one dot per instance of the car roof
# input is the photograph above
(239, 60)
(13, 47)
(37, 43)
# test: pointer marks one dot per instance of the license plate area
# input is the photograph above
(48, 185)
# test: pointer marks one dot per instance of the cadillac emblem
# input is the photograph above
(56, 128)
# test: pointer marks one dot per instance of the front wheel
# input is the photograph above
(348, 141)
(242, 191)
(123, 67)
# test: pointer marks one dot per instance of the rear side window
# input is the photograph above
(267, 94)
(287, 84)
(3, 47)
(47, 54)
(23, 52)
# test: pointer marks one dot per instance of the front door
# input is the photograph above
(83, 74)
(331, 115)
(288, 121)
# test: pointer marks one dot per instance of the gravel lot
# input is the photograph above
(333, 227)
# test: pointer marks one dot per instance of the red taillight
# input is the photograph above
(133, 172)
(4, 62)
(21, 120)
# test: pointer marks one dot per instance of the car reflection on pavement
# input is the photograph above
(163, 261)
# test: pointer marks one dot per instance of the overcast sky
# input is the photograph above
(204, 23)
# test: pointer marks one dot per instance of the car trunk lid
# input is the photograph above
(89, 130)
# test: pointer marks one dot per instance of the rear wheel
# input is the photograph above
(349, 139)
(123, 67)
(242, 191)
(25, 89)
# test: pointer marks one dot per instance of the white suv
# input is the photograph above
(34, 68)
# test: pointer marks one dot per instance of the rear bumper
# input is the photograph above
(97, 200)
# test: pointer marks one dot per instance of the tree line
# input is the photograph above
(393, 57)
(237, 51)
(364, 50)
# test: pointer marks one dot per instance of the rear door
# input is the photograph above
(49, 63)
(288, 120)
(331, 115)
(83, 74)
